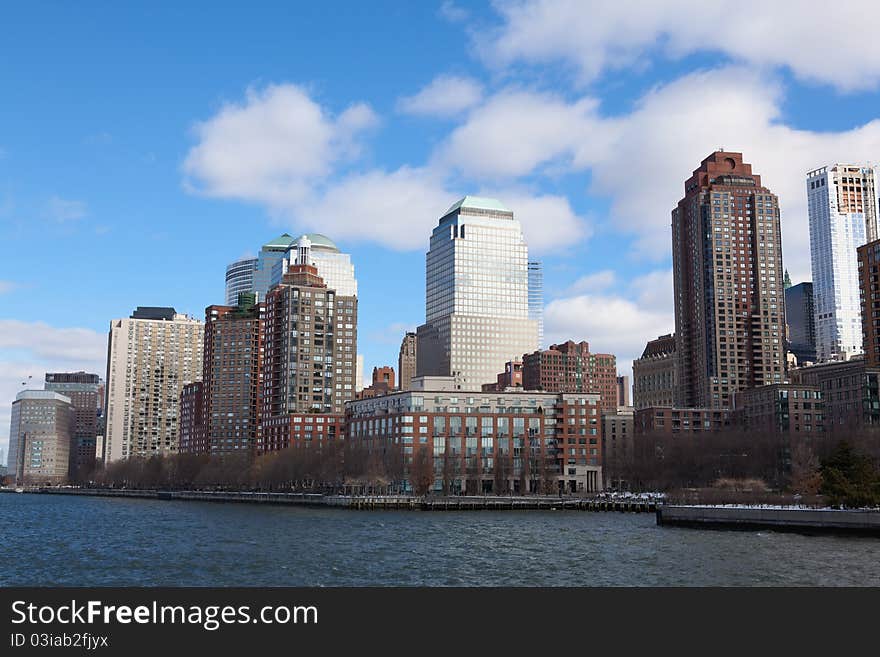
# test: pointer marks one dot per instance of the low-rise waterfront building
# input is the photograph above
(485, 442)
(781, 408)
(671, 420)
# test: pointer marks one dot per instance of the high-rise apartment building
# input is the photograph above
(869, 295)
(477, 295)
(150, 357)
(654, 374)
(800, 319)
(192, 419)
(83, 390)
(536, 297)
(231, 377)
(41, 433)
(727, 270)
(310, 344)
(571, 367)
(406, 361)
(843, 208)
(240, 278)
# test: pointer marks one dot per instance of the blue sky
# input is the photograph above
(144, 146)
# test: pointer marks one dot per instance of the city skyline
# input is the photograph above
(131, 180)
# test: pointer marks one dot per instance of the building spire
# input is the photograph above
(786, 282)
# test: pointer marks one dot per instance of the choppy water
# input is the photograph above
(52, 540)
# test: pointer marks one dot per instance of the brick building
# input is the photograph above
(571, 367)
(654, 373)
(617, 445)
(309, 345)
(233, 343)
(511, 377)
(727, 274)
(192, 419)
(669, 420)
(85, 392)
(869, 296)
(781, 408)
(850, 392)
(480, 442)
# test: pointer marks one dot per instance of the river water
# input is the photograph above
(51, 540)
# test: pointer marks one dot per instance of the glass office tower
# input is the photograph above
(477, 295)
(842, 207)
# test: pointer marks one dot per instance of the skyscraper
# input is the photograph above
(333, 266)
(842, 203)
(477, 295)
(240, 278)
(271, 254)
(310, 348)
(264, 272)
(83, 391)
(150, 357)
(800, 318)
(231, 376)
(406, 361)
(727, 270)
(40, 436)
(536, 298)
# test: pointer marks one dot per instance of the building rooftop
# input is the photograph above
(321, 241)
(478, 203)
(42, 394)
(154, 312)
(282, 241)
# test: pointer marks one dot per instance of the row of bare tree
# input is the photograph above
(334, 469)
(663, 462)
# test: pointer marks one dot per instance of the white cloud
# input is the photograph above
(640, 160)
(30, 349)
(272, 147)
(517, 131)
(592, 283)
(281, 149)
(62, 210)
(549, 223)
(452, 12)
(446, 95)
(617, 323)
(398, 209)
(816, 42)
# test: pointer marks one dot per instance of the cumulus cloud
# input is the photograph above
(446, 95)
(281, 149)
(618, 323)
(273, 146)
(516, 131)
(639, 160)
(30, 349)
(452, 12)
(622, 34)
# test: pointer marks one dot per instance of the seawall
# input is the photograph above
(808, 521)
(366, 502)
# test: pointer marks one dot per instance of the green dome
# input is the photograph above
(321, 241)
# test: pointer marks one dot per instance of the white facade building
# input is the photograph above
(150, 357)
(333, 266)
(843, 209)
(477, 295)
